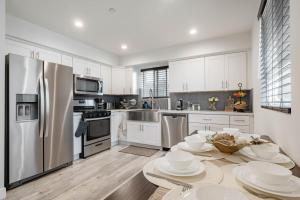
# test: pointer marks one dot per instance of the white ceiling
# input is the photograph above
(142, 24)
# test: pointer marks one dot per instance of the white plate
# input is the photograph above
(246, 177)
(206, 192)
(279, 159)
(164, 166)
(206, 147)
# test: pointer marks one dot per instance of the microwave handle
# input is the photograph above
(100, 86)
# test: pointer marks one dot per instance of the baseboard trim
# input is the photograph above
(2, 193)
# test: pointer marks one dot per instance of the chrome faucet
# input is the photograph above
(151, 97)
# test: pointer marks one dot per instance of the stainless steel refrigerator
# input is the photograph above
(39, 118)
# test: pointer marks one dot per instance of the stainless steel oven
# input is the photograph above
(97, 137)
(87, 85)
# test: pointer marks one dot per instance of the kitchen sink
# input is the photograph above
(144, 115)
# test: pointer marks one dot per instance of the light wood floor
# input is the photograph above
(91, 178)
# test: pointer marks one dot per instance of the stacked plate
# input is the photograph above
(268, 178)
(179, 163)
(207, 192)
(264, 153)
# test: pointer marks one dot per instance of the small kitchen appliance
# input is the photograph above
(179, 104)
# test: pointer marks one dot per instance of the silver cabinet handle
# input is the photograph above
(32, 54)
(222, 84)
(183, 87)
(47, 107)
(42, 107)
(187, 86)
(239, 120)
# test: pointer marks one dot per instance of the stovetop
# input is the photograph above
(94, 113)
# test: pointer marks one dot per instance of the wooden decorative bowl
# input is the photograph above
(226, 146)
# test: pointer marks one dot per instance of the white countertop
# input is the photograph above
(204, 112)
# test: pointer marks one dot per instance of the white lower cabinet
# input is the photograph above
(144, 133)
(218, 122)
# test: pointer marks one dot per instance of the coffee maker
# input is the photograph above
(179, 104)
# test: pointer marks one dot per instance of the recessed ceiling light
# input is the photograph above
(124, 46)
(112, 10)
(78, 23)
(193, 31)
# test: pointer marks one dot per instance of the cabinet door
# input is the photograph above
(115, 127)
(151, 134)
(94, 69)
(177, 73)
(19, 49)
(134, 132)
(106, 76)
(130, 81)
(67, 60)
(79, 67)
(118, 81)
(236, 70)
(215, 73)
(195, 75)
(47, 55)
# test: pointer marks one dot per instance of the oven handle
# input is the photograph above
(94, 119)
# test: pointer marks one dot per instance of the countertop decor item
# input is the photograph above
(229, 106)
(212, 103)
(240, 105)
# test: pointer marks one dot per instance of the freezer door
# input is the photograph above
(24, 144)
(58, 136)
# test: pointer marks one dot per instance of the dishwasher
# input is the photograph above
(174, 129)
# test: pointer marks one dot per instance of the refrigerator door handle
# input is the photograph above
(47, 107)
(42, 107)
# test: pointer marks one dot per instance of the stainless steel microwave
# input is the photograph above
(87, 85)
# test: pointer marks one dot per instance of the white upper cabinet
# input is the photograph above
(106, 76)
(124, 81)
(187, 75)
(215, 72)
(67, 60)
(236, 64)
(195, 75)
(19, 49)
(177, 70)
(47, 55)
(130, 81)
(86, 68)
(118, 81)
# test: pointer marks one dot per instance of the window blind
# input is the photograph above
(155, 79)
(275, 62)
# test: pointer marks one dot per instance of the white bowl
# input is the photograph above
(232, 131)
(270, 173)
(206, 133)
(265, 151)
(179, 159)
(195, 141)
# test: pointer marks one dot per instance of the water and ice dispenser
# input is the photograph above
(27, 107)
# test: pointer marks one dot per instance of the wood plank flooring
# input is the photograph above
(92, 178)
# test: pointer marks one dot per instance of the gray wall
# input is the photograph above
(202, 99)
(2, 35)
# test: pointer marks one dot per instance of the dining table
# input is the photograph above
(139, 188)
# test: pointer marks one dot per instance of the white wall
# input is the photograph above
(21, 29)
(213, 46)
(2, 35)
(284, 129)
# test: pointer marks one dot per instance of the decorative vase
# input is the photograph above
(212, 106)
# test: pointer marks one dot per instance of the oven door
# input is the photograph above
(88, 85)
(98, 130)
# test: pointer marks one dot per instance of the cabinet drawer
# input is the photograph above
(239, 120)
(209, 119)
(243, 129)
